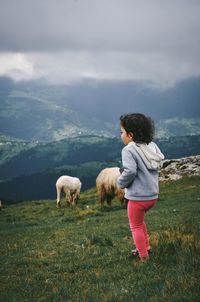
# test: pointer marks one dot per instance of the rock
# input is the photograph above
(174, 169)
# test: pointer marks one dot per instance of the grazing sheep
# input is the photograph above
(70, 186)
(106, 184)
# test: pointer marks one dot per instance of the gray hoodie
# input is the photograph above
(141, 163)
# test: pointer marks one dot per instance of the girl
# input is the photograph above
(141, 160)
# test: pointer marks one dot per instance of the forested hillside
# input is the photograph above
(75, 151)
(31, 173)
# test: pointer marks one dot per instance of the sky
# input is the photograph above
(156, 42)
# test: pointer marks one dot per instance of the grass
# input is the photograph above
(81, 254)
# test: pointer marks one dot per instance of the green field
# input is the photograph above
(81, 254)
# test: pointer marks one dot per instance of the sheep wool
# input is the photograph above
(106, 185)
(70, 186)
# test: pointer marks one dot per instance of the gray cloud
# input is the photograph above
(152, 40)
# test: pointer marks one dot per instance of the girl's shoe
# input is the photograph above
(134, 253)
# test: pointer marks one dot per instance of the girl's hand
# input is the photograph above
(121, 170)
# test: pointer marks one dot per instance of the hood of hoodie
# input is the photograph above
(150, 154)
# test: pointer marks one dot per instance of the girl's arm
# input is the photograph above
(129, 169)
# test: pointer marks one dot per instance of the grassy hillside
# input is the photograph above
(81, 254)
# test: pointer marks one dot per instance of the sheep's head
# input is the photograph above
(74, 199)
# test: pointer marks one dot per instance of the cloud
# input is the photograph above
(65, 41)
(16, 66)
(154, 69)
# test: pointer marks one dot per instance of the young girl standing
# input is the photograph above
(141, 160)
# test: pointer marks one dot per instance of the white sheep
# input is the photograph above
(106, 185)
(70, 186)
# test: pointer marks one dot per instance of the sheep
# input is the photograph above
(70, 186)
(106, 185)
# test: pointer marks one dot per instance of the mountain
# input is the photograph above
(37, 111)
(108, 100)
(167, 128)
(48, 130)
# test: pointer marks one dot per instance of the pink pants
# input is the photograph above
(136, 214)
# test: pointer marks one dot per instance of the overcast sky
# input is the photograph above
(64, 41)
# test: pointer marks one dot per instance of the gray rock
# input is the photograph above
(174, 169)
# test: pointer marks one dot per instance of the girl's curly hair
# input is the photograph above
(140, 125)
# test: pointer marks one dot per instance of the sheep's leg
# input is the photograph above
(102, 201)
(75, 197)
(102, 196)
(58, 198)
(123, 201)
(109, 199)
(68, 197)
